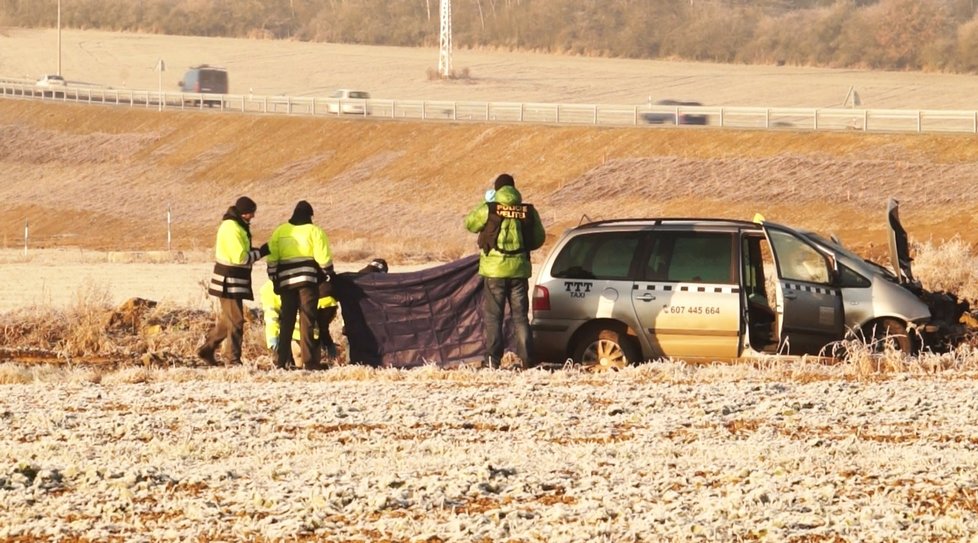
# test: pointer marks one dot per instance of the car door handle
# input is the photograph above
(645, 297)
(790, 295)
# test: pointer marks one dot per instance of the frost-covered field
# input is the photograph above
(659, 452)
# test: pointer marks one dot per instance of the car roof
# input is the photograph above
(678, 222)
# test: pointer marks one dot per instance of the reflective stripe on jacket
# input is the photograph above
(298, 255)
(234, 257)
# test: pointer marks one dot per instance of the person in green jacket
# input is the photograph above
(231, 281)
(508, 230)
(300, 265)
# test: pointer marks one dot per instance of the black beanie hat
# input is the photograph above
(245, 205)
(302, 213)
(503, 180)
(377, 265)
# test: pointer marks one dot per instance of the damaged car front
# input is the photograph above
(888, 304)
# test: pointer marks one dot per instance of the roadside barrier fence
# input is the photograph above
(687, 117)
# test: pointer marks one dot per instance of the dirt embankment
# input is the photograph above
(103, 178)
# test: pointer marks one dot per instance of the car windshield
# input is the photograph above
(359, 94)
(839, 249)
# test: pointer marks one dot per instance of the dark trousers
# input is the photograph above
(302, 299)
(325, 316)
(230, 326)
(496, 294)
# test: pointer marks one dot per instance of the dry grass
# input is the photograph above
(949, 265)
(91, 332)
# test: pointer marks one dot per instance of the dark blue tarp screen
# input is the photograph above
(404, 320)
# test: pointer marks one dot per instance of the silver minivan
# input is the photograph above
(621, 291)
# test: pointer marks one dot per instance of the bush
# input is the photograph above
(889, 34)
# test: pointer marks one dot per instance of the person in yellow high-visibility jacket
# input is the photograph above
(231, 281)
(300, 265)
(271, 305)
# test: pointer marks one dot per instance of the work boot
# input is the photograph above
(206, 354)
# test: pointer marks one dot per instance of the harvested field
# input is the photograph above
(663, 452)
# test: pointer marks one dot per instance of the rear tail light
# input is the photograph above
(541, 298)
(197, 86)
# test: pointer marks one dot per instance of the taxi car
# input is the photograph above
(617, 292)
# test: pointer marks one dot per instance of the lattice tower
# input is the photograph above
(445, 41)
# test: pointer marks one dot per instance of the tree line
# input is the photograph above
(932, 35)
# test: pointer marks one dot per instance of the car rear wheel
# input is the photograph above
(605, 349)
(888, 332)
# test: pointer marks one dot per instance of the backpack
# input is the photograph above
(489, 236)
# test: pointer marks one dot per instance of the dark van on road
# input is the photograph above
(205, 79)
(675, 112)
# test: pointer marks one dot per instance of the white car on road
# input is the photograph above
(348, 101)
(51, 81)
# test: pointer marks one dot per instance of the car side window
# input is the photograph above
(597, 256)
(798, 261)
(691, 257)
(848, 278)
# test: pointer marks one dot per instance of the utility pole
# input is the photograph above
(59, 37)
(445, 41)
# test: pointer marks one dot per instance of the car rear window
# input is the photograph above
(214, 79)
(605, 255)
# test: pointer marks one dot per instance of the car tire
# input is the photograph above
(606, 348)
(883, 331)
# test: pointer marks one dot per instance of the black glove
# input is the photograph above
(264, 250)
(327, 283)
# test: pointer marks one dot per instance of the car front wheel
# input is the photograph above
(606, 349)
(888, 332)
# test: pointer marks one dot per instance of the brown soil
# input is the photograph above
(103, 177)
